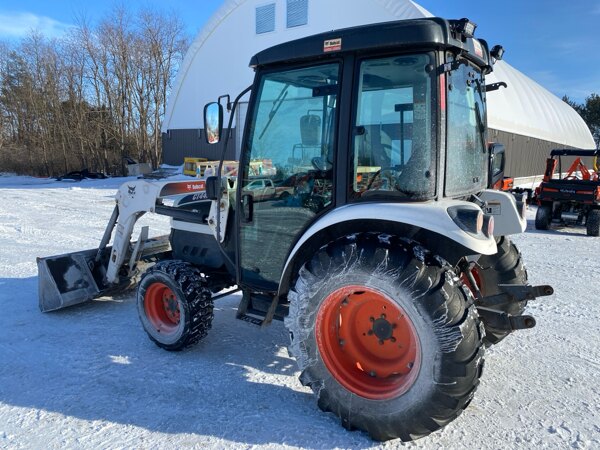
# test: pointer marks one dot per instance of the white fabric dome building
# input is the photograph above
(525, 117)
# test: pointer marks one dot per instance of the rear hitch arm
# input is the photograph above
(500, 320)
(512, 293)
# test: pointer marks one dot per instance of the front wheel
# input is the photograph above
(386, 336)
(174, 305)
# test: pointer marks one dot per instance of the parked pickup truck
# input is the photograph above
(264, 189)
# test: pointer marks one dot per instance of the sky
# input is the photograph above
(554, 42)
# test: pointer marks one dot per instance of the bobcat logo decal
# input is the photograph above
(131, 190)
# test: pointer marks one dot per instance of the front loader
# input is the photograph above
(388, 258)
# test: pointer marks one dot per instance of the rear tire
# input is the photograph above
(386, 336)
(174, 305)
(592, 223)
(543, 217)
(504, 267)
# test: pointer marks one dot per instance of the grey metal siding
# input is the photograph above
(526, 156)
(178, 144)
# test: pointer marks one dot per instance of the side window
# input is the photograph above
(393, 130)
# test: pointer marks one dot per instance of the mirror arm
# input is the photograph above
(228, 101)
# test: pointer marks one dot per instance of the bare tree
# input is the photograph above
(91, 98)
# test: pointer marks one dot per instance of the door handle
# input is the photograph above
(247, 208)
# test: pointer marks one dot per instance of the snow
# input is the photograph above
(88, 377)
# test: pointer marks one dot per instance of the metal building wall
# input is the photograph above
(526, 156)
(179, 144)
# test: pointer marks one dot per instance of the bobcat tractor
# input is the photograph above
(383, 251)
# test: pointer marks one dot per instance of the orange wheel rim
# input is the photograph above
(162, 308)
(368, 342)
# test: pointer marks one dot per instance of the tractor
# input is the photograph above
(388, 257)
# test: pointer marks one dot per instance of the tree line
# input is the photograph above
(589, 110)
(89, 99)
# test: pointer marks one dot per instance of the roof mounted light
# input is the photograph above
(465, 27)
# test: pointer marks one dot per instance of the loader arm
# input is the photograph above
(136, 198)
(73, 278)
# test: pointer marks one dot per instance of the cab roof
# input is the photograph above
(418, 34)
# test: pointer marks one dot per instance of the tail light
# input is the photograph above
(488, 225)
(470, 220)
(597, 193)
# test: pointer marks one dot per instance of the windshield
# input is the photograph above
(394, 132)
(466, 156)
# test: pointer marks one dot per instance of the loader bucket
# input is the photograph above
(69, 279)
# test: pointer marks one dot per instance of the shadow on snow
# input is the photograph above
(94, 362)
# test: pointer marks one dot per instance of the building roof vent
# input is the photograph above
(297, 13)
(265, 18)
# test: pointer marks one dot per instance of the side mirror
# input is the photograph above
(213, 122)
(497, 162)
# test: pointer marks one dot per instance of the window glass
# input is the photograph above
(466, 156)
(290, 172)
(394, 135)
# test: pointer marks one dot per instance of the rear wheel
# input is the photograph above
(592, 223)
(386, 336)
(174, 305)
(543, 217)
(504, 267)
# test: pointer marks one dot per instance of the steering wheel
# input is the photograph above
(378, 174)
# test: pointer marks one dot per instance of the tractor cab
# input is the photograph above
(389, 113)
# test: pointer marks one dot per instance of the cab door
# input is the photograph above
(290, 146)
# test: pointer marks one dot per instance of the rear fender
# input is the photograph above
(503, 207)
(419, 221)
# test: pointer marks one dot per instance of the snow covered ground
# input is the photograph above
(88, 377)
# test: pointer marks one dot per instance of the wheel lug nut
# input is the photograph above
(342, 342)
(383, 316)
(410, 365)
(380, 341)
(372, 373)
(370, 332)
(393, 339)
(394, 326)
(372, 319)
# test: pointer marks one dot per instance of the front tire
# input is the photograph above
(174, 305)
(386, 336)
